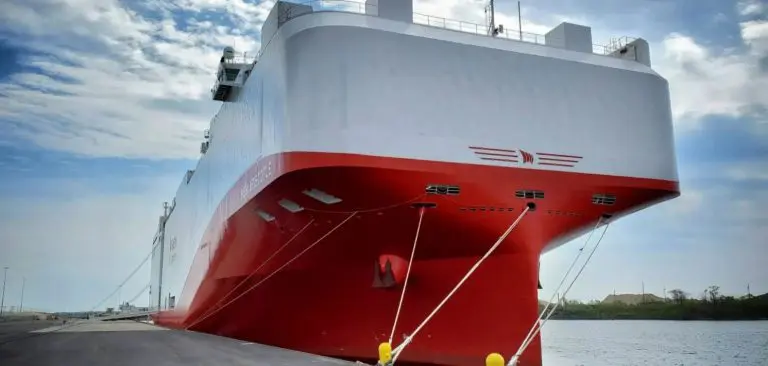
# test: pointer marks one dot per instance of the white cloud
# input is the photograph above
(750, 7)
(246, 15)
(733, 83)
(115, 82)
(705, 84)
(755, 35)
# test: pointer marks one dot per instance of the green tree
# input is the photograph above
(678, 296)
(714, 293)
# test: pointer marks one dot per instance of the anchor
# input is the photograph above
(385, 279)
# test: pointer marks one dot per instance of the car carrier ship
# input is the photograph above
(369, 158)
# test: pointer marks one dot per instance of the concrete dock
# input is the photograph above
(124, 343)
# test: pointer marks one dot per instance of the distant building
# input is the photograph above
(130, 308)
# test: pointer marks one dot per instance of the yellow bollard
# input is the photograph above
(385, 353)
(494, 359)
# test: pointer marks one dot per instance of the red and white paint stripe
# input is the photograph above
(517, 156)
(493, 154)
(558, 159)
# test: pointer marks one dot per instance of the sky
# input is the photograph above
(103, 104)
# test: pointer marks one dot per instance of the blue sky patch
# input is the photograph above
(9, 60)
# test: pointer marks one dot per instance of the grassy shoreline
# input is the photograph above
(723, 308)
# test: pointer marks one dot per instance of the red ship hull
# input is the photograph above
(324, 300)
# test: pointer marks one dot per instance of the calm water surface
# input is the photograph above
(640, 342)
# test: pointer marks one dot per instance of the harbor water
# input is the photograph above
(663, 343)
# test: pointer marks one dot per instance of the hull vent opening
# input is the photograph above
(564, 213)
(529, 194)
(424, 205)
(443, 189)
(603, 199)
(266, 216)
(322, 196)
(486, 209)
(290, 205)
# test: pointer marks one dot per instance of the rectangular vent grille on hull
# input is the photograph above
(486, 209)
(443, 189)
(529, 194)
(604, 199)
(564, 213)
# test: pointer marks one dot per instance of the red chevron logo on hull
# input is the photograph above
(518, 156)
(527, 157)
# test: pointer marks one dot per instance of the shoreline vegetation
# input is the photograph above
(678, 306)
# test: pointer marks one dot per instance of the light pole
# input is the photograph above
(2, 300)
(21, 303)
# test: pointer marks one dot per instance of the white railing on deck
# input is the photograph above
(514, 35)
(475, 28)
(458, 25)
(359, 7)
(241, 58)
(615, 44)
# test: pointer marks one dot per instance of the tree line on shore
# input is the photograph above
(678, 306)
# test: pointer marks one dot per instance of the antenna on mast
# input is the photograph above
(493, 19)
(490, 18)
(519, 21)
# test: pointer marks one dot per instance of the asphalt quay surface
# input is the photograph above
(13, 329)
(129, 343)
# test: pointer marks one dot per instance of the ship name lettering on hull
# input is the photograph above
(263, 173)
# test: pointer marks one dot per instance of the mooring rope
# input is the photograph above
(407, 274)
(275, 271)
(396, 352)
(562, 282)
(514, 359)
(264, 263)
